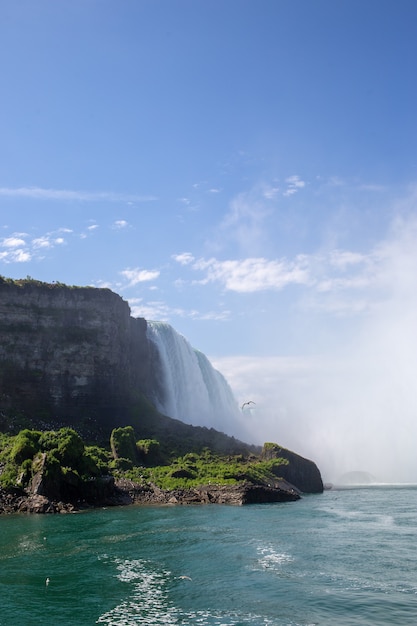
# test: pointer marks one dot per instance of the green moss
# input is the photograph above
(25, 445)
(123, 443)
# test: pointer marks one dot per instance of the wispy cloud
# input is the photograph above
(16, 256)
(244, 222)
(254, 274)
(41, 193)
(120, 224)
(251, 213)
(20, 248)
(294, 184)
(270, 192)
(338, 281)
(185, 258)
(137, 275)
(47, 241)
(158, 310)
(13, 242)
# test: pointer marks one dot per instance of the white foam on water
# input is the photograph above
(270, 558)
(149, 603)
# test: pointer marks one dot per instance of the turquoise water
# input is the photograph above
(341, 558)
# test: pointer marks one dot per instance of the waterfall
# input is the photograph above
(190, 389)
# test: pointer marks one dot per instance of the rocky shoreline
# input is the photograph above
(125, 492)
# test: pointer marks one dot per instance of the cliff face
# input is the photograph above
(69, 355)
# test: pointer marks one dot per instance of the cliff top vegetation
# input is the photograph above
(23, 282)
(63, 459)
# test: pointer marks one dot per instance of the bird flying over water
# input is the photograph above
(245, 403)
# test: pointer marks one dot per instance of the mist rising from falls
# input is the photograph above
(190, 389)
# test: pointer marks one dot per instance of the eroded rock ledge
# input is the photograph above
(243, 493)
(126, 492)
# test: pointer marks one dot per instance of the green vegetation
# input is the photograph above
(22, 282)
(62, 457)
(58, 454)
(123, 444)
(193, 470)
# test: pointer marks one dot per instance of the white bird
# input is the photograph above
(185, 577)
(47, 582)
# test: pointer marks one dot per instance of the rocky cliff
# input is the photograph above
(69, 355)
(74, 356)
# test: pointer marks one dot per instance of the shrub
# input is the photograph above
(121, 464)
(123, 443)
(96, 461)
(25, 445)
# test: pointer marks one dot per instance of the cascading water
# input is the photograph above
(191, 389)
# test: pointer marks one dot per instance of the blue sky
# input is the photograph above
(244, 170)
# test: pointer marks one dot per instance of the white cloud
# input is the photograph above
(13, 242)
(40, 193)
(16, 250)
(185, 258)
(270, 192)
(158, 310)
(254, 274)
(294, 184)
(344, 258)
(42, 242)
(136, 275)
(47, 241)
(16, 256)
(119, 224)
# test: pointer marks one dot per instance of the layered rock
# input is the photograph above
(69, 355)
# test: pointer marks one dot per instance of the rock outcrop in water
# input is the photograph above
(299, 471)
(124, 492)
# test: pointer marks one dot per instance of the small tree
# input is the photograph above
(123, 443)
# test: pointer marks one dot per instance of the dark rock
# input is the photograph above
(243, 493)
(299, 471)
(182, 473)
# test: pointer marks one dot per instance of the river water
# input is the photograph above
(341, 558)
